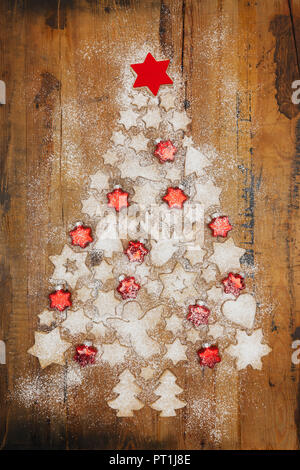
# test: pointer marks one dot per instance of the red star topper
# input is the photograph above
(60, 299)
(152, 74)
(85, 354)
(209, 356)
(81, 236)
(128, 288)
(136, 251)
(118, 199)
(165, 151)
(233, 284)
(220, 226)
(175, 197)
(198, 314)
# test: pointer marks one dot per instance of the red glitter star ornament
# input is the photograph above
(233, 284)
(85, 354)
(81, 236)
(60, 299)
(118, 199)
(128, 288)
(198, 314)
(209, 356)
(152, 74)
(175, 198)
(165, 151)
(136, 251)
(220, 226)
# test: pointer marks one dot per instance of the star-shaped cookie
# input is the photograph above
(49, 348)
(227, 256)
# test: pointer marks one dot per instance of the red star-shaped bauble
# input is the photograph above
(128, 288)
(81, 236)
(233, 284)
(85, 354)
(209, 356)
(152, 74)
(175, 198)
(118, 199)
(198, 314)
(60, 299)
(220, 226)
(136, 251)
(165, 151)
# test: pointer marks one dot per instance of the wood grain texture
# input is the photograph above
(256, 46)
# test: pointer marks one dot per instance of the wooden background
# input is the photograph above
(39, 196)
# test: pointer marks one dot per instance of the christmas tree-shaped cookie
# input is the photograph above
(127, 390)
(167, 390)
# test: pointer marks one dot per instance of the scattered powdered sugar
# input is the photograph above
(74, 377)
(203, 414)
(45, 391)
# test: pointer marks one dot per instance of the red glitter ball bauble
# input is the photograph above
(81, 236)
(220, 226)
(209, 356)
(165, 151)
(175, 198)
(136, 251)
(118, 199)
(85, 354)
(233, 284)
(198, 314)
(60, 299)
(128, 288)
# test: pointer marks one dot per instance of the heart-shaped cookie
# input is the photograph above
(241, 311)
